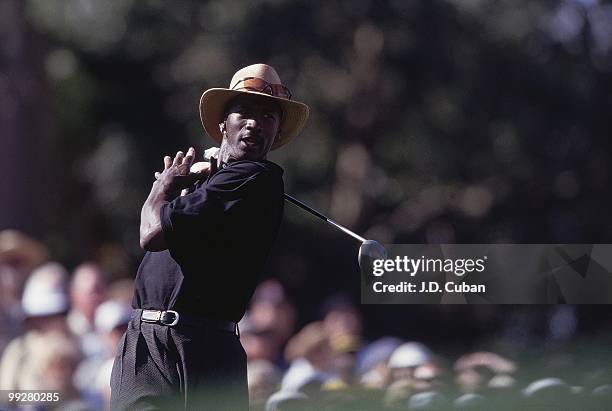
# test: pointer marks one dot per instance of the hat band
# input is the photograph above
(262, 86)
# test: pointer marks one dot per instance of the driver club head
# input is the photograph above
(369, 251)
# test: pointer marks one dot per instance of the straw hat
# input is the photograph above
(261, 80)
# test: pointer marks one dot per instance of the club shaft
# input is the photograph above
(314, 212)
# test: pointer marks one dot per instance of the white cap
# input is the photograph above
(45, 291)
(279, 397)
(410, 354)
(545, 385)
(111, 314)
(429, 400)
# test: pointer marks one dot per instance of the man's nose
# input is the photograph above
(253, 123)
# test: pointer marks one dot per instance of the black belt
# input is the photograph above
(171, 318)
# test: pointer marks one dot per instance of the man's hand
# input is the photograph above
(177, 176)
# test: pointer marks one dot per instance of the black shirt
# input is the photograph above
(218, 238)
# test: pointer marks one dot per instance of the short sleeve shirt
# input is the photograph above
(218, 237)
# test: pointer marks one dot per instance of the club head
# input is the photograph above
(369, 251)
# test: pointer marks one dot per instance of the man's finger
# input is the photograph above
(178, 159)
(189, 157)
(156, 175)
(167, 162)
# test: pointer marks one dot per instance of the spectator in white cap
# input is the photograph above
(417, 368)
(44, 305)
(309, 354)
(407, 357)
(372, 362)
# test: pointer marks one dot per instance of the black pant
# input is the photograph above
(180, 367)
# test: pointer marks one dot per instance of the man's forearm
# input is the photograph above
(151, 233)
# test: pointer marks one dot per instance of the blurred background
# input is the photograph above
(468, 121)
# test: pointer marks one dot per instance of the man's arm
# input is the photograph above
(151, 234)
(168, 184)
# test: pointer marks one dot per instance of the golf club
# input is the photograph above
(369, 250)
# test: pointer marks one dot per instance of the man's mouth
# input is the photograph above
(251, 140)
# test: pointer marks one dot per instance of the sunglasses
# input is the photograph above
(262, 86)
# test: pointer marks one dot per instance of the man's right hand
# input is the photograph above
(174, 178)
(180, 173)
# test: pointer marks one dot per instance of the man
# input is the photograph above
(206, 250)
(87, 292)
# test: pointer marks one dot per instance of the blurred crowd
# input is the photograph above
(59, 331)
(330, 365)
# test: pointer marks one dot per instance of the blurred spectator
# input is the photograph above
(19, 254)
(102, 387)
(342, 317)
(111, 320)
(344, 349)
(406, 358)
(343, 325)
(268, 324)
(482, 370)
(310, 355)
(57, 356)
(397, 394)
(121, 290)
(260, 343)
(87, 292)
(372, 363)
(429, 376)
(415, 369)
(264, 379)
(44, 305)
(271, 310)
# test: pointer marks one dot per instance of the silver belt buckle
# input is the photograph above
(155, 316)
(173, 322)
(150, 316)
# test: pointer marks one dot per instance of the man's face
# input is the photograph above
(250, 128)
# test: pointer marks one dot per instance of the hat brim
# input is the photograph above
(214, 100)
